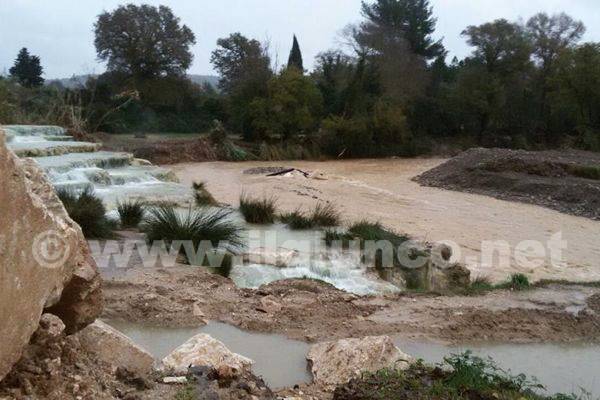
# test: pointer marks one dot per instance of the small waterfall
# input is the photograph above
(77, 165)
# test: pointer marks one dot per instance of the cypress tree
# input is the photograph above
(27, 69)
(295, 59)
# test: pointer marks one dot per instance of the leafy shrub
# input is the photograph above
(88, 212)
(202, 195)
(131, 213)
(258, 211)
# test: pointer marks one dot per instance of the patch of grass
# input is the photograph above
(459, 377)
(322, 216)
(131, 213)
(517, 282)
(585, 171)
(258, 211)
(297, 220)
(325, 215)
(88, 211)
(202, 195)
(188, 392)
(374, 231)
(196, 226)
(480, 285)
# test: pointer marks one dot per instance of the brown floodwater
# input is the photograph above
(382, 190)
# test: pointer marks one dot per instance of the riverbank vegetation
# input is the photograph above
(258, 211)
(391, 91)
(88, 211)
(460, 377)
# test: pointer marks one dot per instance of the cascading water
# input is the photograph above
(118, 176)
(79, 165)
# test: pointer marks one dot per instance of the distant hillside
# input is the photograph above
(77, 81)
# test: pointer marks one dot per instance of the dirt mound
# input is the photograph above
(567, 181)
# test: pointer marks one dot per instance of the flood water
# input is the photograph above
(281, 362)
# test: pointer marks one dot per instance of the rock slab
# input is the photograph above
(336, 363)
(45, 263)
(116, 349)
(204, 351)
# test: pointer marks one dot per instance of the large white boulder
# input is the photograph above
(116, 349)
(336, 363)
(45, 263)
(204, 350)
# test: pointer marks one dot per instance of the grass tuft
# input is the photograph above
(131, 213)
(196, 226)
(297, 220)
(517, 282)
(322, 216)
(258, 211)
(88, 211)
(325, 215)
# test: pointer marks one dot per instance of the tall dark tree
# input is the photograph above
(144, 41)
(27, 69)
(411, 20)
(295, 59)
(244, 67)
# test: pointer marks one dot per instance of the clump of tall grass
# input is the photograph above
(166, 224)
(202, 195)
(374, 231)
(258, 211)
(88, 211)
(131, 212)
(517, 282)
(322, 216)
(325, 215)
(297, 220)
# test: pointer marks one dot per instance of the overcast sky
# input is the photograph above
(60, 31)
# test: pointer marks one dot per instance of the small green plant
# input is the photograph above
(202, 195)
(131, 213)
(585, 171)
(196, 226)
(88, 211)
(188, 392)
(258, 211)
(325, 215)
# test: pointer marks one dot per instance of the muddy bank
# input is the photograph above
(312, 311)
(383, 190)
(566, 181)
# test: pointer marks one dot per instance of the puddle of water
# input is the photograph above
(281, 362)
(560, 368)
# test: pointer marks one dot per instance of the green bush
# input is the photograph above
(518, 282)
(88, 212)
(131, 213)
(258, 211)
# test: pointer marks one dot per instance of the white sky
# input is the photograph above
(60, 31)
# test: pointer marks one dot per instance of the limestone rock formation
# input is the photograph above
(336, 363)
(45, 263)
(116, 349)
(204, 351)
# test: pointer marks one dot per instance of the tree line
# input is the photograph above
(388, 91)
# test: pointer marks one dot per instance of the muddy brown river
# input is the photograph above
(494, 238)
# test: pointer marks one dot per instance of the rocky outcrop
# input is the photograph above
(116, 349)
(45, 264)
(204, 351)
(336, 363)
